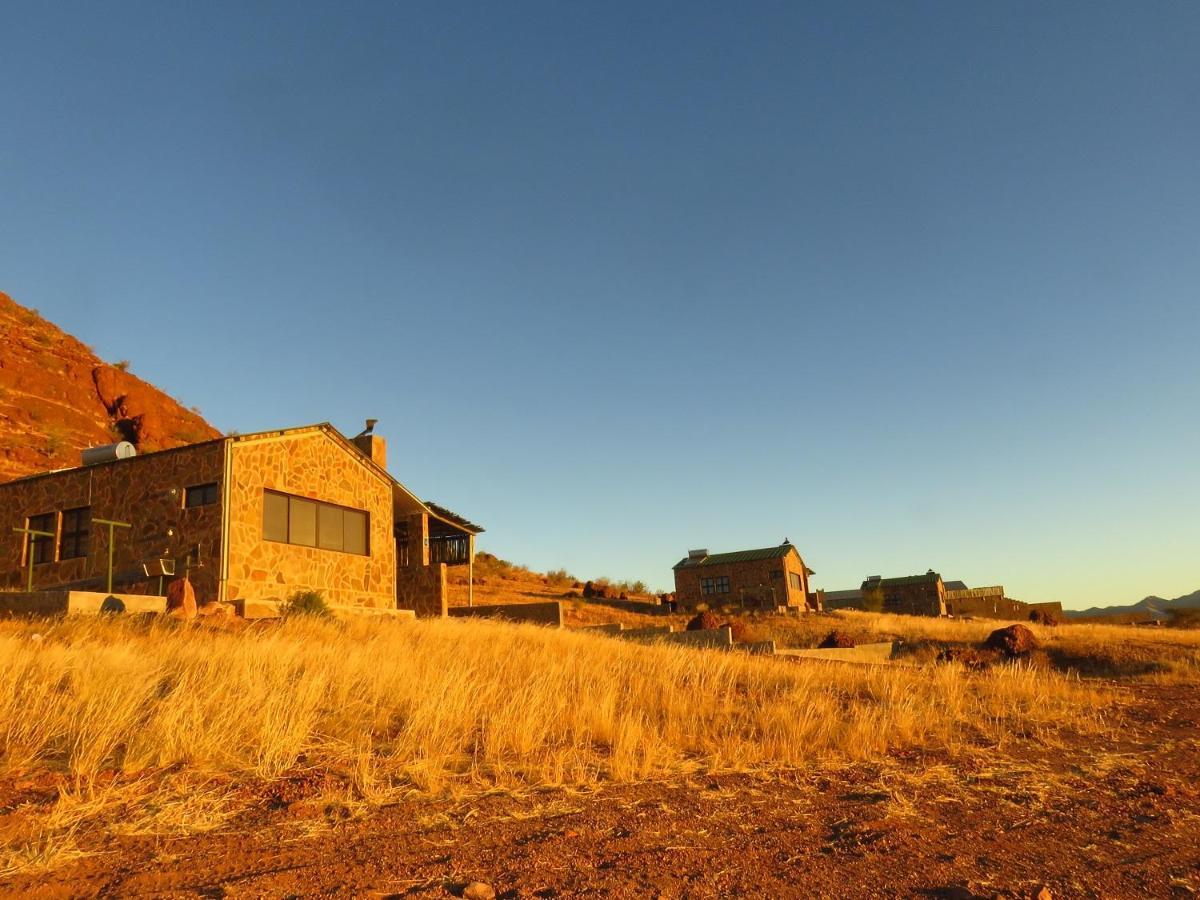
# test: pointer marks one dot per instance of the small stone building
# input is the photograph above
(911, 595)
(247, 517)
(767, 578)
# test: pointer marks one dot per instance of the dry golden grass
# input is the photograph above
(156, 725)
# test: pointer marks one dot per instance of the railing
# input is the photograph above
(453, 551)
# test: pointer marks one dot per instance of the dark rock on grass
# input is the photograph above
(969, 657)
(837, 640)
(705, 621)
(1014, 642)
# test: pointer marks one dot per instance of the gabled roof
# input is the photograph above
(723, 559)
(411, 500)
(928, 577)
(853, 594)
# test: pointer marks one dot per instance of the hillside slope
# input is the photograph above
(57, 398)
(1145, 609)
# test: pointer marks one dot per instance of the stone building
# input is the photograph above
(990, 603)
(912, 595)
(247, 517)
(757, 579)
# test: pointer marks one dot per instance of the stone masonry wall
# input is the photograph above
(147, 491)
(313, 465)
(745, 579)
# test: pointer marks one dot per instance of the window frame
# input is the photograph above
(209, 491)
(319, 506)
(722, 584)
(706, 587)
(75, 543)
(35, 541)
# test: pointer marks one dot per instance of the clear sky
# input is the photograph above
(914, 285)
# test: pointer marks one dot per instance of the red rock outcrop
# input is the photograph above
(57, 398)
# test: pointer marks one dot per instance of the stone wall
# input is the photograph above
(314, 465)
(147, 491)
(749, 581)
(422, 589)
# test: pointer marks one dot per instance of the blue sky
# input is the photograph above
(915, 285)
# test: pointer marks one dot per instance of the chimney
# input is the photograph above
(372, 445)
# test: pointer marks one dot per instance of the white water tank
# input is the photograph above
(108, 453)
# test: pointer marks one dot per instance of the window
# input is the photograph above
(302, 522)
(718, 585)
(76, 525)
(275, 517)
(40, 546)
(200, 495)
(797, 584)
(777, 573)
(311, 523)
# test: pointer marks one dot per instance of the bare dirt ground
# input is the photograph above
(1118, 820)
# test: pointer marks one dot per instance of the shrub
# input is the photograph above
(306, 603)
(122, 364)
(704, 622)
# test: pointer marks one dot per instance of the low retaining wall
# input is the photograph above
(720, 638)
(756, 648)
(538, 613)
(39, 604)
(863, 653)
(634, 606)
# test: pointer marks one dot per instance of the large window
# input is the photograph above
(76, 526)
(718, 585)
(797, 584)
(39, 545)
(311, 523)
(200, 495)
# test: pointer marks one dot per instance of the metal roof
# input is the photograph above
(905, 579)
(721, 559)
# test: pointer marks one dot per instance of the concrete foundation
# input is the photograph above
(863, 653)
(49, 604)
(537, 613)
(756, 648)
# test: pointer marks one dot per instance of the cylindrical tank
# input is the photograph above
(108, 453)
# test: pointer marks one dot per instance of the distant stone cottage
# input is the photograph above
(250, 517)
(766, 578)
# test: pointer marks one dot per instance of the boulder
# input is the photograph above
(1043, 617)
(837, 640)
(704, 622)
(181, 599)
(477, 890)
(1014, 642)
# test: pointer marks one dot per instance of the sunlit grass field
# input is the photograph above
(159, 726)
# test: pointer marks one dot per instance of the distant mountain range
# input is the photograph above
(1148, 608)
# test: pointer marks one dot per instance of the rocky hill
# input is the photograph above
(57, 398)
(1147, 608)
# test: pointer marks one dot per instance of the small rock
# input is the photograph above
(1043, 894)
(477, 890)
(181, 599)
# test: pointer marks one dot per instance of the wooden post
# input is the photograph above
(112, 527)
(471, 570)
(31, 532)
